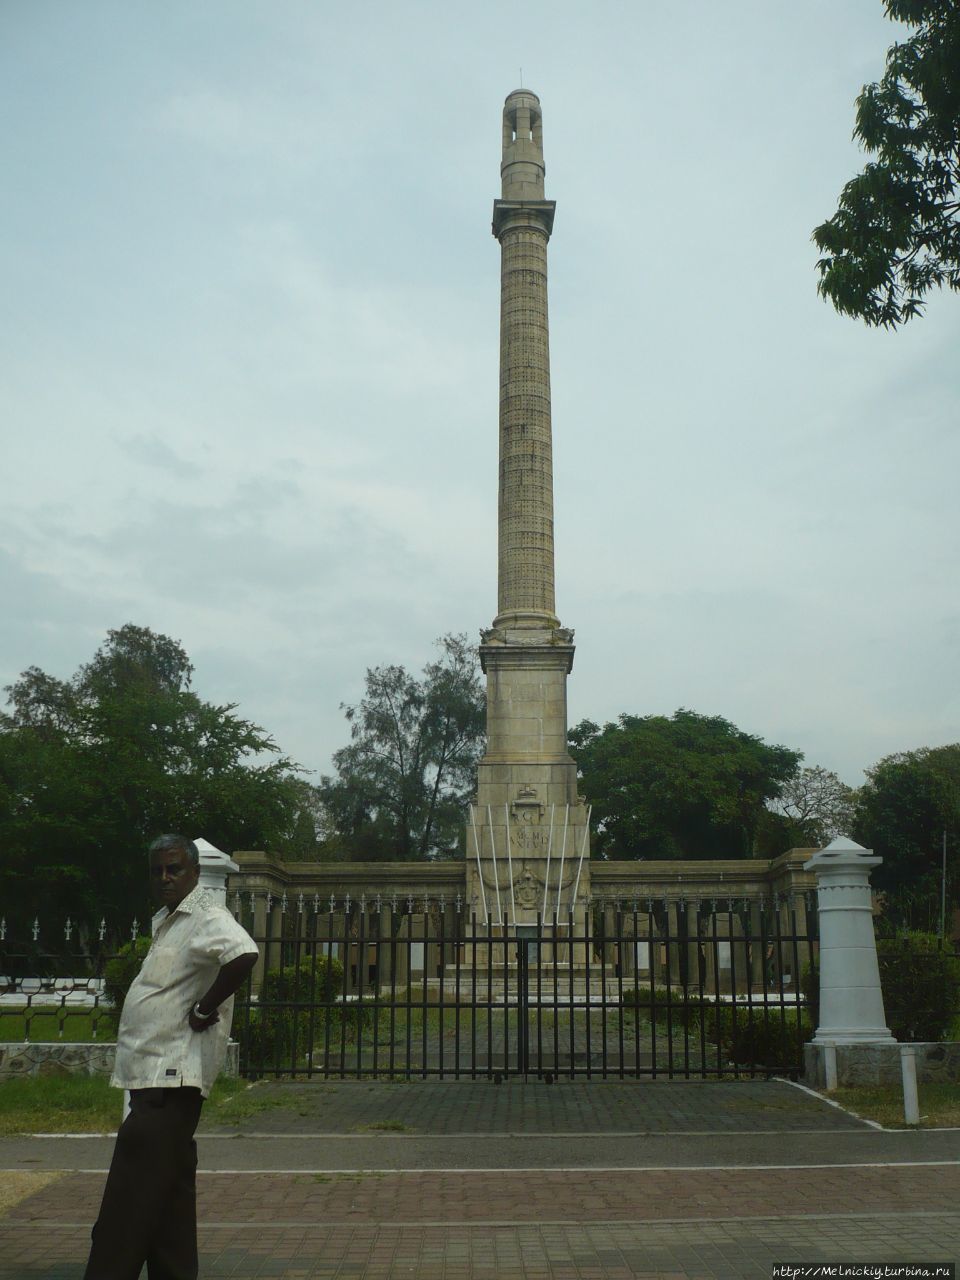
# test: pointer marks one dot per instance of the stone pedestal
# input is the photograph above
(851, 1002)
(528, 844)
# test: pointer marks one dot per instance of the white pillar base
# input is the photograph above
(852, 1035)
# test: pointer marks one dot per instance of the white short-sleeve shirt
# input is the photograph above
(156, 1047)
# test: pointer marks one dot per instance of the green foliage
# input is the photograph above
(305, 838)
(902, 811)
(810, 990)
(896, 232)
(402, 784)
(920, 981)
(119, 973)
(676, 1007)
(93, 768)
(759, 1038)
(690, 786)
(734, 1033)
(279, 1026)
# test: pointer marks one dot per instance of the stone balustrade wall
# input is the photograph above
(61, 1058)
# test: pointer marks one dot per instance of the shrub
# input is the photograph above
(774, 1043)
(754, 1037)
(676, 1007)
(279, 1025)
(810, 990)
(920, 980)
(119, 973)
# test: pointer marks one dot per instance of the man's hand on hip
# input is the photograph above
(200, 1022)
(231, 977)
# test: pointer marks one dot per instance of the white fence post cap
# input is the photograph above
(842, 851)
(211, 856)
(215, 867)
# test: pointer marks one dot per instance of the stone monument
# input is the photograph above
(528, 840)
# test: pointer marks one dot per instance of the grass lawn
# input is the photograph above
(43, 1024)
(87, 1104)
(939, 1104)
(58, 1104)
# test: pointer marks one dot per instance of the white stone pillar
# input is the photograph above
(851, 1002)
(215, 866)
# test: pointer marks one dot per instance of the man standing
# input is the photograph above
(171, 1044)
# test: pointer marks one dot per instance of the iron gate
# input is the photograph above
(403, 988)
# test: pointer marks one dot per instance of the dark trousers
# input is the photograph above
(149, 1209)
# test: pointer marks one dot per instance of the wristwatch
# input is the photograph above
(204, 1017)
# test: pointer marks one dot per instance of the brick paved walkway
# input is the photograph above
(724, 1223)
(603, 1106)
(569, 1226)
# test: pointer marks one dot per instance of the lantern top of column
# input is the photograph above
(522, 169)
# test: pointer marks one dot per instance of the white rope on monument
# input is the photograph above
(546, 874)
(583, 850)
(563, 850)
(476, 845)
(493, 855)
(513, 900)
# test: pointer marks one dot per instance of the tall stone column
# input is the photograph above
(527, 843)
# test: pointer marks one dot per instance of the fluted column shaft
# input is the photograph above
(525, 564)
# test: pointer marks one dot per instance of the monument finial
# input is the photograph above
(522, 168)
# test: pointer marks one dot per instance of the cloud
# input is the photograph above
(153, 453)
(46, 621)
(250, 373)
(236, 126)
(208, 117)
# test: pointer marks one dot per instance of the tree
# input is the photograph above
(690, 786)
(92, 768)
(402, 784)
(902, 811)
(896, 233)
(311, 837)
(815, 806)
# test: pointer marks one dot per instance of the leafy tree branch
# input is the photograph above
(896, 233)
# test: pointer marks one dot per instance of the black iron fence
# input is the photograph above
(53, 979)
(404, 988)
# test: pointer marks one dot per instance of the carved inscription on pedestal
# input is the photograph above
(527, 832)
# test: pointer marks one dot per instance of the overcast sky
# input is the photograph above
(248, 359)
